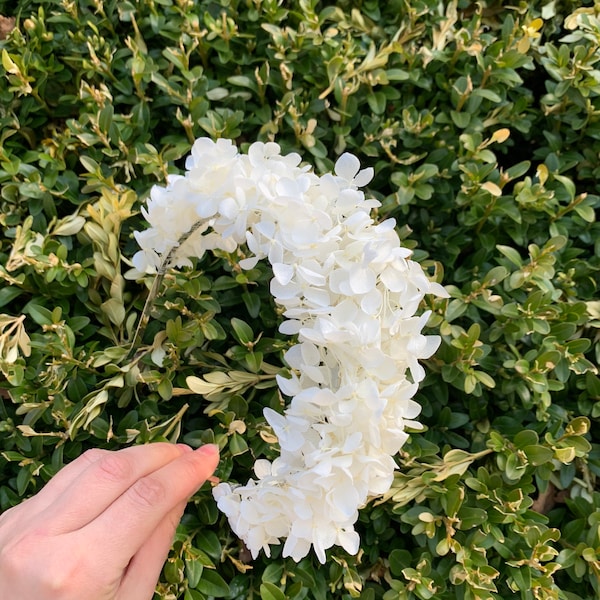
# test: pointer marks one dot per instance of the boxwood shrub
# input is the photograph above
(482, 123)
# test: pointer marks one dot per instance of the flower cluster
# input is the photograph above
(350, 294)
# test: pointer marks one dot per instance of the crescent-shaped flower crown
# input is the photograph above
(349, 292)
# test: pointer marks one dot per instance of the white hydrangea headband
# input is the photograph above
(349, 292)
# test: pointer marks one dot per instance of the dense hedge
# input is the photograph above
(482, 122)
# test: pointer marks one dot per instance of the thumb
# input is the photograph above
(142, 573)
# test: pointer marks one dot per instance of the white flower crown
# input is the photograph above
(349, 292)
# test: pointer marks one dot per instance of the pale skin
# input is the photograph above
(102, 528)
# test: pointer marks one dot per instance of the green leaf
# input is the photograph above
(461, 119)
(514, 468)
(578, 426)
(495, 276)
(40, 314)
(305, 576)
(165, 389)
(237, 444)
(193, 571)
(586, 212)
(23, 480)
(8, 63)
(511, 254)
(456, 308)
(252, 302)
(470, 517)
(254, 361)
(242, 331)
(212, 584)
(397, 75)
(208, 541)
(524, 438)
(377, 102)
(485, 378)
(105, 117)
(114, 310)
(269, 591)
(488, 95)
(8, 294)
(89, 164)
(538, 455)
(452, 500)
(567, 183)
(243, 81)
(12, 456)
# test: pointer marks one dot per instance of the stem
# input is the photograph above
(176, 420)
(488, 211)
(565, 209)
(145, 317)
(156, 284)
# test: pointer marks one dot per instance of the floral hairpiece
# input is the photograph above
(349, 292)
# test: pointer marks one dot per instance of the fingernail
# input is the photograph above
(208, 449)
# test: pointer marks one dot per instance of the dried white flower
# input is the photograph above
(350, 292)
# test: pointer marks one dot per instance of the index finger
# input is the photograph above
(89, 491)
(63, 480)
(138, 511)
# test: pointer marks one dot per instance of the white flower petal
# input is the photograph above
(347, 166)
(364, 177)
(283, 273)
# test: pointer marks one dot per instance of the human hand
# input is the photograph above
(102, 528)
